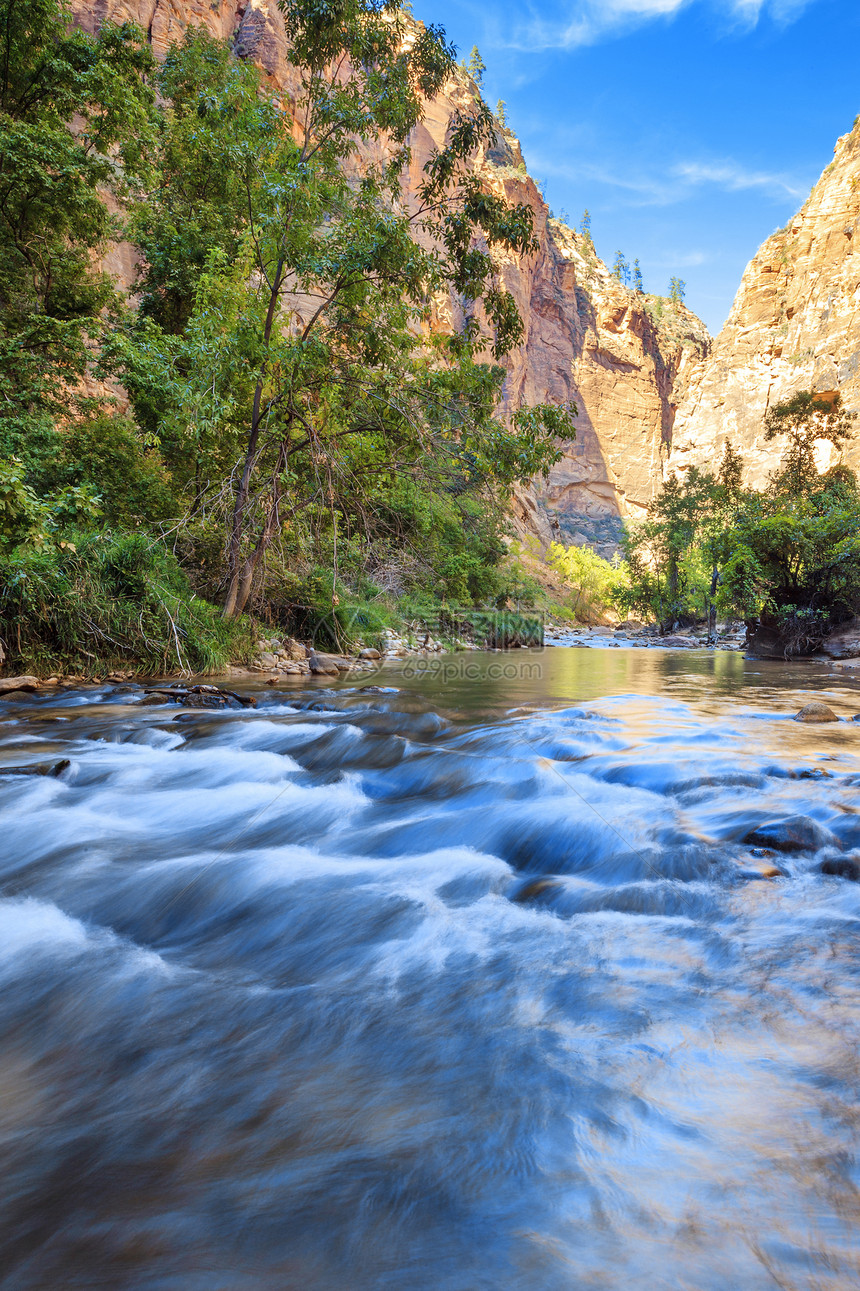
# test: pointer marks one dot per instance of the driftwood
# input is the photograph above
(198, 697)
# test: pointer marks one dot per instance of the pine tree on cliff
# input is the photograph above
(677, 290)
(620, 268)
(501, 113)
(476, 67)
(638, 284)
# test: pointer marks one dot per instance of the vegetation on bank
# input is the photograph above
(294, 443)
(301, 442)
(785, 559)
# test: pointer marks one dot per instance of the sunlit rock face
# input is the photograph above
(588, 339)
(794, 326)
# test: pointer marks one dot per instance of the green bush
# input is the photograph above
(596, 584)
(106, 453)
(102, 601)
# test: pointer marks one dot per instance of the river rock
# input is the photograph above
(38, 768)
(369, 653)
(816, 713)
(10, 684)
(843, 867)
(796, 834)
(323, 665)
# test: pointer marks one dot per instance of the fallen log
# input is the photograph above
(199, 696)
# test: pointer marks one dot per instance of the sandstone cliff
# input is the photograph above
(794, 326)
(615, 353)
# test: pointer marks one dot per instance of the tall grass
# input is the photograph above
(105, 601)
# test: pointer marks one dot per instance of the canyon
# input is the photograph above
(654, 394)
(794, 325)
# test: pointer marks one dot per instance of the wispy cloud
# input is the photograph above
(677, 183)
(733, 178)
(595, 20)
(679, 260)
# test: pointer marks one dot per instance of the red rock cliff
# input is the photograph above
(587, 338)
(794, 325)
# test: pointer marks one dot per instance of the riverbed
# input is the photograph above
(530, 971)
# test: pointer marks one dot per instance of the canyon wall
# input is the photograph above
(615, 353)
(794, 325)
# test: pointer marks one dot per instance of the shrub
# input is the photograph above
(106, 453)
(595, 583)
(102, 601)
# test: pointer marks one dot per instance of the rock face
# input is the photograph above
(794, 326)
(617, 354)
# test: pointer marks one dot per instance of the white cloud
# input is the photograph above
(595, 20)
(680, 260)
(675, 184)
(733, 178)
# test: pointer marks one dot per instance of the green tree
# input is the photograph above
(476, 67)
(74, 111)
(585, 226)
(638, 284)
(785, 558)
(620, 268)
(502, 113)
(303, 364)
(801, 422)
(595, 583)
(677, 290)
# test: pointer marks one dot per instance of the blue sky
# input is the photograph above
(691, 129)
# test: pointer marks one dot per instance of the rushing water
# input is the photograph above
(471, 985)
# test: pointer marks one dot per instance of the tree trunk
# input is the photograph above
(712, 607)
(241, 576)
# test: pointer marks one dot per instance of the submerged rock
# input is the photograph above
(816, 713)
(38, 768)
(842, 867)
(796, 834)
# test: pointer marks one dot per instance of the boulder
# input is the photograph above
(815, 712)
(843, 867)
(326, 665)
(10, 684)
(795, 834)
(369, 653)
(38, 768)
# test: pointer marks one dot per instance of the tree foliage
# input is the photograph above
(476, 67)
(785, 558)
(73, 114)
(677, 290)
(621, 268)
(294, 361)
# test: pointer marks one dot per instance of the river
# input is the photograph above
(470, 983)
